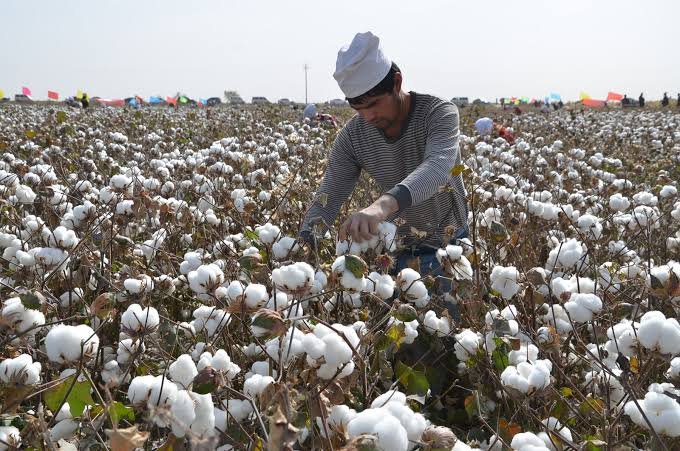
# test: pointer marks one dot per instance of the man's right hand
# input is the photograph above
(363, 225)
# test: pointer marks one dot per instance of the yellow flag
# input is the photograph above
(2, 94)
(79, 94)
(583, 96)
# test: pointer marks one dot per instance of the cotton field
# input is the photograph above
(154, 292)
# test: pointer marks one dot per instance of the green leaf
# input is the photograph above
(396, 333)
(119, 411)
(356, 266)
(30, 301)
(458, 170)
(405, 313)
(251, 235)
(500, 358)
(415, 382)
(498, 231)
(78, 397)
(61, 117)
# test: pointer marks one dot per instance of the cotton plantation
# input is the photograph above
(155, 293)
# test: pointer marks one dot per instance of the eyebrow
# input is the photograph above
(368, 105)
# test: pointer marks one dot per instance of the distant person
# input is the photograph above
(505, 133)
(503, 102)
(484, 126)
(641, 101)
(678, 103)
(83, 100)
(665, 101)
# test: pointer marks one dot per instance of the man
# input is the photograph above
(408, 143)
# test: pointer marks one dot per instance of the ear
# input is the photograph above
(397, 82)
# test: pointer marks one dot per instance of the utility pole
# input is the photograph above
(306, 68)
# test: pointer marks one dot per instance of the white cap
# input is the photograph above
(361, 66)
(484, 126)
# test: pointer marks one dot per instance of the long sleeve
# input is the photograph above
(441, 154)
(338, 182)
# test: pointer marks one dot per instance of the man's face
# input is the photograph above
(381, 111)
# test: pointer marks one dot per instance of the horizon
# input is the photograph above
(528, 49)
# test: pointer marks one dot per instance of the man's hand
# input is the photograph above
(363, 225)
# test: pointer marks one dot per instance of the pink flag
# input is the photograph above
(25, 91)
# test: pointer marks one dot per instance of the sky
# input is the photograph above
(480, 49)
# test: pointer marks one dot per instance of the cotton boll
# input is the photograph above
(336, 351)
(434, 325)
(63, 343)
(256, 384)
(205, 279)
(9, 435)
(662, 411)
(528, 441)
(380, 284)
(582, 307)
(348, 280)
(504, 281)
(527, 377)
(20, 319)
(182, 413)
(63, 430)
(313, 346)
(183, 370)
(590, 226)
(674, 371)
(255, 295)
(391, 434)
(295, 278)
(139, 286)
(467, 344)
(659, 333)
(20, 370)
(137, 319)
(163, 392)
(284, 247)
(140, 389)
(204, 423)
(557, 316)
(267, 233)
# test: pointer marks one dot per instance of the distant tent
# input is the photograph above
(614, 96)
(584, 96)
(183, 99)
(155, 100)
(111, 102)
(212, 101)
(171, 101)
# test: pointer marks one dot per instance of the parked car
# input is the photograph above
(260, 101)
(460, 101)
(284, 101)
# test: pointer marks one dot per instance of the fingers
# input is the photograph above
(373, 227)
(344, 228)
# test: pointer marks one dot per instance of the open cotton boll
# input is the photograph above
(673, 371)
(582, 307)
(71, 297)
(204, 423)
(528, 441)
(255, 295)
(205, 279)
(284, 247)
(21, 370)
(63, 343)
(659, 333)
(467, 344)
(413, 289)
(434, 325)
(277, 301)
(239, 409)
(192, 261)
(255, 385)
(526, 353)
(662, 411)
(623, 338)
(183, 370)
(163, 392)
(9, 435)
(557, 317)
(140, 389)
(504, 281)
(268, 233)
(138, 319)
(380, 284)
(645, 198)
(138, 286)
(348, 279)
(219, 361)
(127, 348)
(590, 226)
(454, 262)
(668, 191)
(410, 329)
(618, 202)
(527, 377)
(63, 430)
(63, 238)
(295, 278)
(336, 350)
(20, 319)
(182, 413)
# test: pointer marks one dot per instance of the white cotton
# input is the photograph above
(645, 198)
(662, 411)
(582, 306)
(209, 319)
(239, 409)
(255, 295)
(71, 297)
(659, 333)
(617, 202)
(163, 392)
(527, 377)
(413, 289)
(623, 338)
(20, 370)
(504, 281)
(296, 277)
(434, 325)
(219, 361)
(9, 435)
(63, 343)
(528, 441)
(590, 226)
(557, 316)
(205, 278)
(467, 344)
(140, 389)
(454, 262)
(256, 384)
(204, 423)
(268, 233)
(390, 433)
(668, 191)
(565, 255)
(138, 319)
(284, 247)
(348, 280)
(182, 413)
(183, 370)
(19, 318)
(64, 430)
(674, 370)
(380, 284)
(336, 351)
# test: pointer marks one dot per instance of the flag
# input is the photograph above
(183, 99)
(111, 102)
(583, 96)
(79, 94)
(171, 100)
(25, 91)
(2, 94)
(593, 102)
(614, 96)
(155, 100)
(555, 96)
(52, 95)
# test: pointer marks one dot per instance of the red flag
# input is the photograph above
(614, 96)
(171, 100)
(111, 102)
(25, 91)
(52, 95)
(593, 102)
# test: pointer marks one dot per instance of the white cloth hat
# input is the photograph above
(361, 66)
(484, 126)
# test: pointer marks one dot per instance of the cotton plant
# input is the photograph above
(66, 344)
(412, 288)
(335, 346)
(504, 280)
(384, 240)
(21, 370)
(454, 262)
(527, 377)
(658, 333)
(657, 409)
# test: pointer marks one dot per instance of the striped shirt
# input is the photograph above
(414, 168)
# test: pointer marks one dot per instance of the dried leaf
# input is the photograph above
(126, 439)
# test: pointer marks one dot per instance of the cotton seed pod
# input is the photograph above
(269, 323)
(438, 437)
